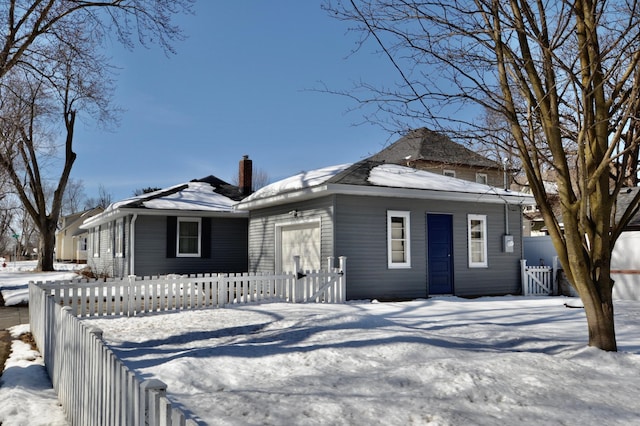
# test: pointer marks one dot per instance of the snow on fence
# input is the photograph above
(539, 280)
(92, 384)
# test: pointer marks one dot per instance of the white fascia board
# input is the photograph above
(379, 191)
(112, 215)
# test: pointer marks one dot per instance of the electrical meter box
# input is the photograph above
(508, 244)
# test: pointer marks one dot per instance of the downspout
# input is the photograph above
(132, 244)
(506, 203)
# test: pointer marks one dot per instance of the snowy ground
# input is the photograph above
(443, 361)
(26, 395)
(15, 277)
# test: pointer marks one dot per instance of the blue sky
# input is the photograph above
(242, 83)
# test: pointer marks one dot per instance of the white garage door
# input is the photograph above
(299, 240)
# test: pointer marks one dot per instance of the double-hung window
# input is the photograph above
(398, 239)
(477, 240)
(188, 240)
(482, 178)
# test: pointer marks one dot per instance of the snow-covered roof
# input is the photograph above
(202, 196)
(378, 179)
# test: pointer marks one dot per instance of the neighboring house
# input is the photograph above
(406, 233)
(186, 229)
(625, 258)
(435, 152)
(71, 241)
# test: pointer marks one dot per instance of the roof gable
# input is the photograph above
(625, 197)
(426, 145)
(75, 219)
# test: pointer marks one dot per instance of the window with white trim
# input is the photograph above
(482, 178)
(95, 241)
(477, 240)
(450, 173)
(118, 238)
(188, 238)
(398, 239)
(82, 244)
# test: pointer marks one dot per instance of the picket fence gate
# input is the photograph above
(92, 384)
(539, 280)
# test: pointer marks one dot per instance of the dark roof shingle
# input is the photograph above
(426, 145)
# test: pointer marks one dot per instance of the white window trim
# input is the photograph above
(484, 176)
(95, 241)
(110, 234)
(483, 219)
(406, 216)
(449, 173)
(189, 219)
(118, 238)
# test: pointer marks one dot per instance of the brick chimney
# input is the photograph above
(245, 176)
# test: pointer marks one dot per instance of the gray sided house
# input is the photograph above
(186, 229)
(406, 233)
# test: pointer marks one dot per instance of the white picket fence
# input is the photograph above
(93, 385)
(539, 280)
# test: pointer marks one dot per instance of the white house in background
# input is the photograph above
(625, 259)
(71, 240)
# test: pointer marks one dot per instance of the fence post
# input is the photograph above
(222, 293)
(523, 274)
(555, 275)
(132, 296)
(296, 290)
(150, 393)
(343, 279)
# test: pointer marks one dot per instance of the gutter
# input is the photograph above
(132, 244)
(122, 212)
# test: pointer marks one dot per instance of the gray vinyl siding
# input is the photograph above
(359, 224)
(361, 236)
(228, 248)
(262, 230)
(502, 276)
(107, 263)
(361, 227)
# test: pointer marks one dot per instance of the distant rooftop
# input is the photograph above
(426, 145)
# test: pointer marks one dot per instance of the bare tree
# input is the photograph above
(31, 26)
(74, 197)
(259, 178)
(50, 68)
(103, 200)
(564, 76)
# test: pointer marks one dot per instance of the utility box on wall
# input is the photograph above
(508, 243)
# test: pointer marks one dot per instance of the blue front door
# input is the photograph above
(439, 254)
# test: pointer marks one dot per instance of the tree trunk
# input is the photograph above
(598, 306)
(46, 250)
